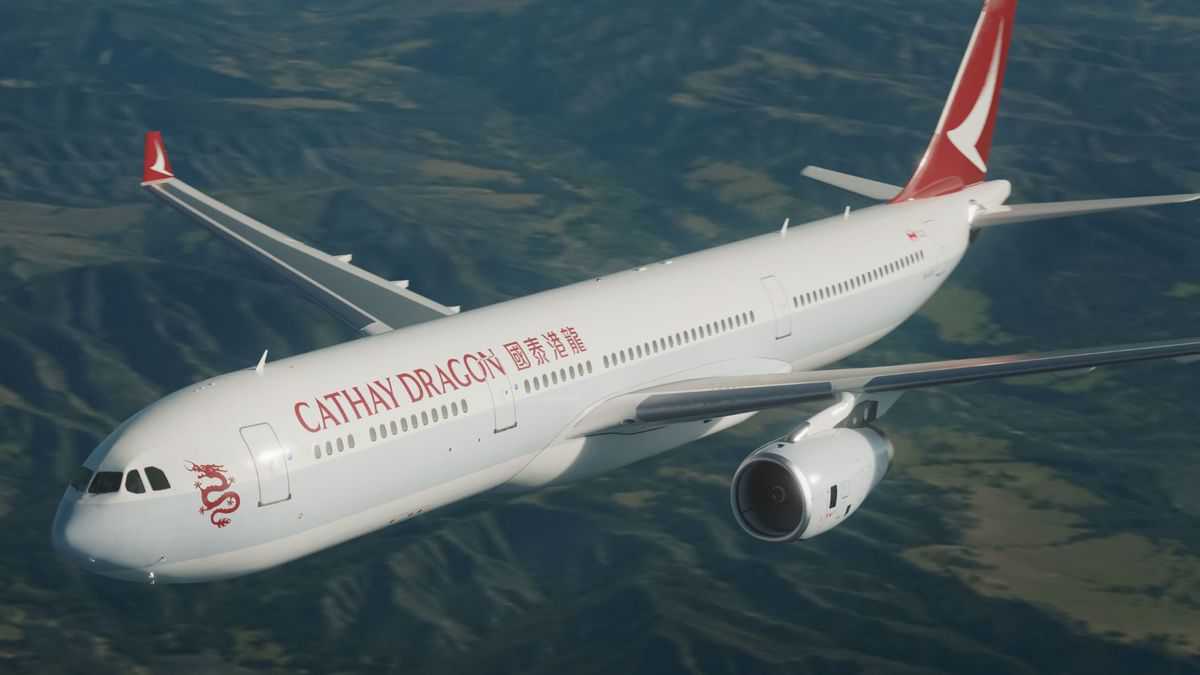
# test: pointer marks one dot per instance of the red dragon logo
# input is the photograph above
(216, 498)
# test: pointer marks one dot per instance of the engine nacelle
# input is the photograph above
(796, 490)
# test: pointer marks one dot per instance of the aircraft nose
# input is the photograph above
(101, 539)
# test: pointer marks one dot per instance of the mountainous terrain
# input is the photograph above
(486, 149)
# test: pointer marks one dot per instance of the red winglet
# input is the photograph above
(155, 165)
(957, 155)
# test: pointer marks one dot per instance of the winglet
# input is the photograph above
(957, 154)
(155, 165)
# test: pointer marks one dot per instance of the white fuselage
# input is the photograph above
(768, 304)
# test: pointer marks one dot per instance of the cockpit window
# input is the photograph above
(133, 482)
(105, 482)
(158, 479)
(82, 477)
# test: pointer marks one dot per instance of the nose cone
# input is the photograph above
(103, 538)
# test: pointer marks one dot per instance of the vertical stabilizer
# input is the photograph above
(958, 153)
(155, 165)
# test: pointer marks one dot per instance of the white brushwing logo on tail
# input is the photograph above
(965, 136)
(159, 164)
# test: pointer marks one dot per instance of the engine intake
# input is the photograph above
(796, 490)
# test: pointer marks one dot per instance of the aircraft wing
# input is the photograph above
(367, 302)
(707, 398)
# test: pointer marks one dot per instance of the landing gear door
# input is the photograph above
(504, 402)
(270, 463)
(779, 304)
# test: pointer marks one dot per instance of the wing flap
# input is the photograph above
(713, 397)
(367, 302)
(1019, 213)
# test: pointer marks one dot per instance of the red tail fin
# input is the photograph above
(957, 155)
(155, 165)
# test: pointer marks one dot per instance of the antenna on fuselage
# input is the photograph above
(262, 363)
(846, 213)
(783, 230)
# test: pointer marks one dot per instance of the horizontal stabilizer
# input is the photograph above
(859, 186)
(1017, 213)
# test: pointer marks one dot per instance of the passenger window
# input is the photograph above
(464, 406)
(328, 449)
(527, 386)
(444, 415)
(158, 479)
(371, 432)
(341, 445)
(562, 375)
(605, 362)
(589, 367)
(403, 424)
(105, 482)
(413, 420)
(571, 371)
(832, 496)
(545, 381)
(317, 451)
(133, 482)
(392, 425)
(454, 408)
(424, 417)
(537, 384)
(81, 478)
(434, 414)
(350, 441)
(554, 377)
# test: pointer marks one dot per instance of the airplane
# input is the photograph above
(432, 405)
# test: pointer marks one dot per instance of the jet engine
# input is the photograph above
(796, 488)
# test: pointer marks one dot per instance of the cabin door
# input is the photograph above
(270, 463)
(504, 402)
(779, 304)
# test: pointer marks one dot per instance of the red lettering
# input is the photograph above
(388, 388)
(447, 383)
(376, 399)
(300, 418)
(472, 360)
(415, 393)
(326, 415)
(490, 360)
(517, 354)
(573, 340)
(536, 349)
(462, 381)
(354, 403)
(427, 382)
(556, 343)
(332, 397)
